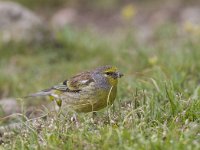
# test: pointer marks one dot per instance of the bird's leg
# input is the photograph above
(94, 114)
(75, 120)
(94, 118)
(59, 110)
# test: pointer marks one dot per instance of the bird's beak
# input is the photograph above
(119, 74)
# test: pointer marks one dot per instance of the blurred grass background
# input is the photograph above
(158, 98)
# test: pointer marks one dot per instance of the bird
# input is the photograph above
(88, 91)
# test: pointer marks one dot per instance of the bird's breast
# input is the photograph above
(89, 99)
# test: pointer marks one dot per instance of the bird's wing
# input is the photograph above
(76, 83)
(79, 81)
(60, 87)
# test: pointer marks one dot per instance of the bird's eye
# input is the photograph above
(109, 73)
(65, 82)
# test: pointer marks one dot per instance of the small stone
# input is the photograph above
(19, 24)
(63, 18)
(9, 106)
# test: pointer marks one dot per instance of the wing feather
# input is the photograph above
(79, 81)
(76, 83)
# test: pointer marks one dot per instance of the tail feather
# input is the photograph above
(41, 93)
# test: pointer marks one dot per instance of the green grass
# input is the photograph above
(157, 107)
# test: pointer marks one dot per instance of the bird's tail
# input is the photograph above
(41, 93)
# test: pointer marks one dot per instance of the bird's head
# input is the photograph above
(111, 73)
